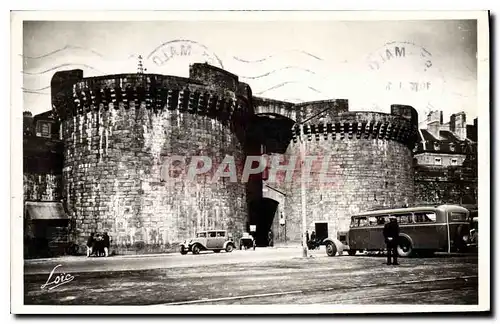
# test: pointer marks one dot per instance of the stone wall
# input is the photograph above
(445, 185)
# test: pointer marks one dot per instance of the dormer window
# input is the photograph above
(43, 129)
(452, 147)
(438, 161)
(436, 146)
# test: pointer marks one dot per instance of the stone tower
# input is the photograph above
(118, 131)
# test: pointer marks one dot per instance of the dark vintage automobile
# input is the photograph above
(247, 241)
(212, 240)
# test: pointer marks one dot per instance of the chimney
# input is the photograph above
(458, 125)
(434, 121)
(28, 126)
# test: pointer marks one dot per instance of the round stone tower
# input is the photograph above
(358, 161)
(120, 130)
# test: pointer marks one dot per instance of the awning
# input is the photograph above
(45, 210)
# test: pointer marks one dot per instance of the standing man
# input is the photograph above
(106, 243)
(391, 235)
(90, 245)
(270, 238)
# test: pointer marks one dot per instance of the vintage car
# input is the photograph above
(212, 240)
(247, 241)
(473, 234)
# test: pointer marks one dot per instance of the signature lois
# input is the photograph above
(59, 279)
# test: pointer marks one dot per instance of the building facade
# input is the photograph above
(46, 225)
(446, 161)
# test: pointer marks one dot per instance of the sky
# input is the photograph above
(430, 65)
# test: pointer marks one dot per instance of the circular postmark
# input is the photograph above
(406, 73)
(180, 50)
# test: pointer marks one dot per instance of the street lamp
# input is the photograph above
(303, 178)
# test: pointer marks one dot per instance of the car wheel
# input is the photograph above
(331, 249)
(229, 248)
(216, 251)
(195, 249)
(183, 250)
(404, 247)
(351, 252)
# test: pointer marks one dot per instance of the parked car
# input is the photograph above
(212, 240)
(473, 234)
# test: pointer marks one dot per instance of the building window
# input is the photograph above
(452, 147)
(438, 161)
(43, 129)
(454, 161)
(436, 146)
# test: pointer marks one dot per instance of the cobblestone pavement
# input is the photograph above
(264, 276)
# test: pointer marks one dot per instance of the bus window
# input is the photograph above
(354, 222)
(458, 217)
(381, 220)
(424, 217)
(363, 222)
(372, 221)
(404, 218)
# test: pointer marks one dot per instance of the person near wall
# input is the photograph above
(270, 238)
(106, 243)
(98, 245)
(90, 244)
(391, 235)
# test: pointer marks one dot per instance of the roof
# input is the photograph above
(212, 230)
(45, 210)
(427, 135)
(447, 135)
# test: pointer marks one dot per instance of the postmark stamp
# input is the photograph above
(407, 71)
(190, 50)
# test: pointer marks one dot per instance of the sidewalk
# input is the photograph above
(74, 264)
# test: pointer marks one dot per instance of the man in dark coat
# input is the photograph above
(391, 235)
(312, 242)
(106, 243)
(90, 245)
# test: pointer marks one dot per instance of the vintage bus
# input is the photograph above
(423, 230)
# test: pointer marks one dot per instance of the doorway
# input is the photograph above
(321, 230)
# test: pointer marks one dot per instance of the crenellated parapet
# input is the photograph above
(360, 125)
(150, 91)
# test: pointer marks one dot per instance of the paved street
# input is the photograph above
(264, 276)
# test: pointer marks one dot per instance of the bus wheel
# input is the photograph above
(331, 249)
(404, 247)
(351, 252)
